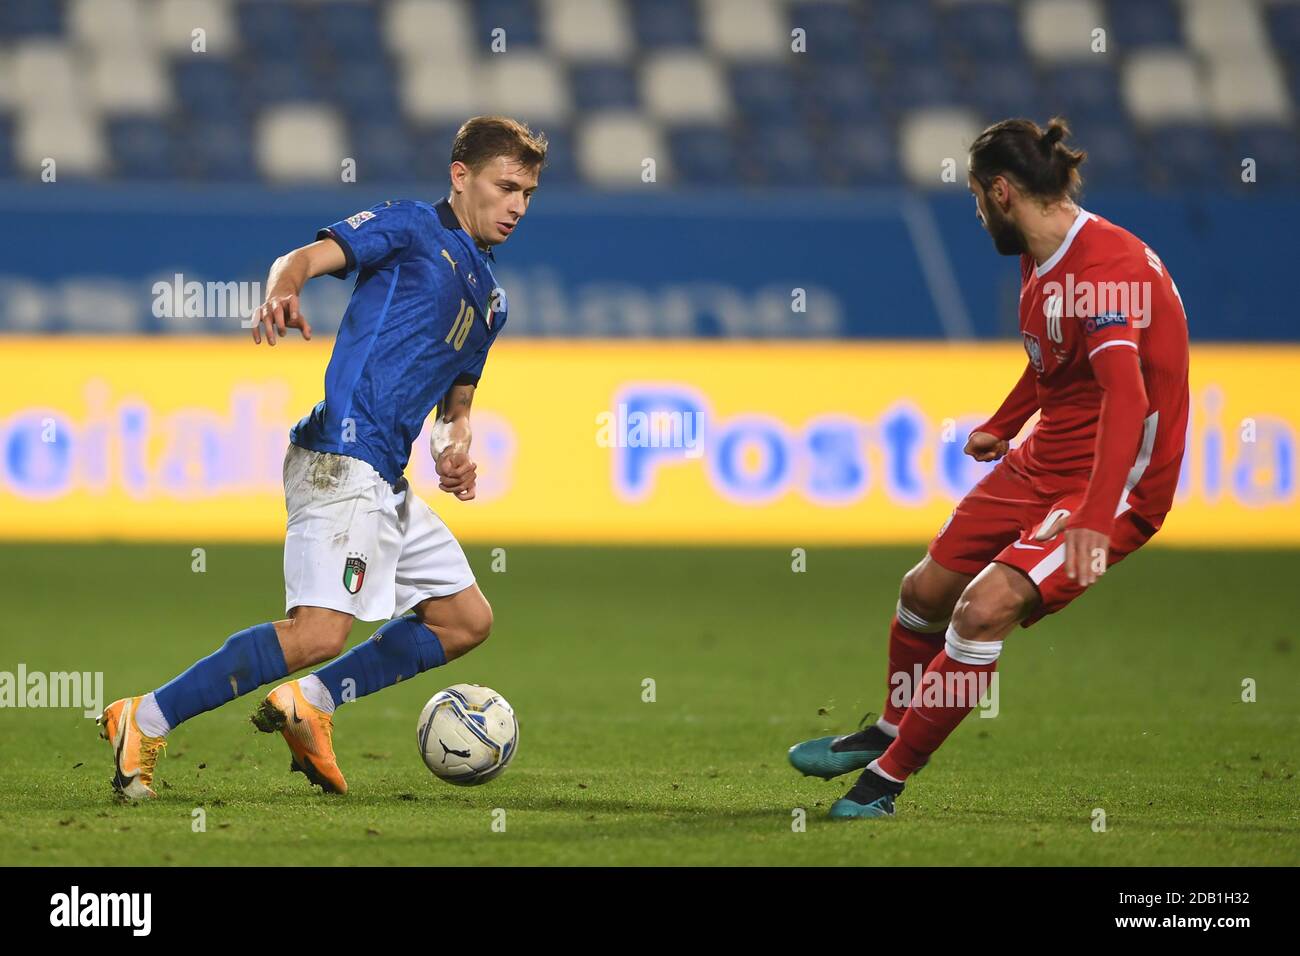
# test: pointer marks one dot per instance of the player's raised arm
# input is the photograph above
(288, 275)
(450, 441)
(991, 440)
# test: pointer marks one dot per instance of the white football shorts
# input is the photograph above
(356, 544)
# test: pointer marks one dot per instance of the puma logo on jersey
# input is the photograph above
(447, 255)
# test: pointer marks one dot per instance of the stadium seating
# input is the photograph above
(757, 91)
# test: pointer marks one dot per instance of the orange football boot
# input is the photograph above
(134, 755)
(307, 730)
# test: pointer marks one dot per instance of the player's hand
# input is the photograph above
(278, 314)
(985, 447)
(457, 475)
(1085, 551)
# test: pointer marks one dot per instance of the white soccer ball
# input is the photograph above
(467, 733)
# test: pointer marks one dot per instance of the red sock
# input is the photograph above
(909, 652)
(935, 713)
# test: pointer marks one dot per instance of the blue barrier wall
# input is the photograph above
(887, 265)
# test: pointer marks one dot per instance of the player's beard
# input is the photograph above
(1006, 237)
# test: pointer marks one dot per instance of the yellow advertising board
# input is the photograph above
(787, 443)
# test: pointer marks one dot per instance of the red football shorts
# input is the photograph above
(997, 521)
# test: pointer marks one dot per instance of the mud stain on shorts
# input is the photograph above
(327, 471)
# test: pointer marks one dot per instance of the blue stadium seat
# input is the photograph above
(832, 93)
(1149, 23)
(271, 81)
(348, 32)
(7, 167)
(983, 30)
(142, 148)
(561, 164)
(270, 29)
(835, 32)
(1113, 158)
(663, 24)
(604, 86)
(432, 145)
(919, 84)
(517, 17)
(1180, 156)
(702, 156)
(30, 18)
(1276, 152)
(903, 30)
(860, 154)
(764, 92)
(206, 86)
(998, 89)
(1284, 28)
(219, 150)
(1084, 93)
(383, 151)
(778, 156)
(363, 90)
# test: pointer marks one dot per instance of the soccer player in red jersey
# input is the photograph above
(1106, 338)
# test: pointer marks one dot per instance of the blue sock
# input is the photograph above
(403, 647)
(245, 662)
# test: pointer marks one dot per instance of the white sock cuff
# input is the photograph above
(150, 718)
(914, 622)
(886, 727)
(971, 652)
(874, 767)
(317, 694)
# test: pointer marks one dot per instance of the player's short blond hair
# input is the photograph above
(482, 139)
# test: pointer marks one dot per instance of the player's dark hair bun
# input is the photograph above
(1055, 132)
(1037, 160)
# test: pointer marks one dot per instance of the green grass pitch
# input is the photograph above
(1129, 702)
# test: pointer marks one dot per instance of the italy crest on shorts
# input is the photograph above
(354, 572)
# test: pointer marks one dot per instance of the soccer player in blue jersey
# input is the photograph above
(424, 312)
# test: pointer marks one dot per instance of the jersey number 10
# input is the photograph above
(460, 328)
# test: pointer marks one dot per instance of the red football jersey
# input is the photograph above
(1104, 288)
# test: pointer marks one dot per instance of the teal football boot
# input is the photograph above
(871, 796)
(828, 757)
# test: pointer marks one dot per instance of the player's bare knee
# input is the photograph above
(331, 642)
(478, 624)
(982, 613)
(923, 602)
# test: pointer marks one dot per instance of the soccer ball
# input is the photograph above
(468, 733)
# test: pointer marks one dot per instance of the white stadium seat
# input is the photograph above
(121, 25)
(612, 148)
(44, 76)
(1062, 30)
(586, 29)
(749, 29)
(299, 142)
(430, 29)
(1217, 29)
(441, 89)
(525, 85)
(178, 19)
(684, 87)
(71, 137)
(927, 138)
(1248, 91)
(1163, 86)
(129, 82)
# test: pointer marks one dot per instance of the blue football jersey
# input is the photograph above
(423, 314)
